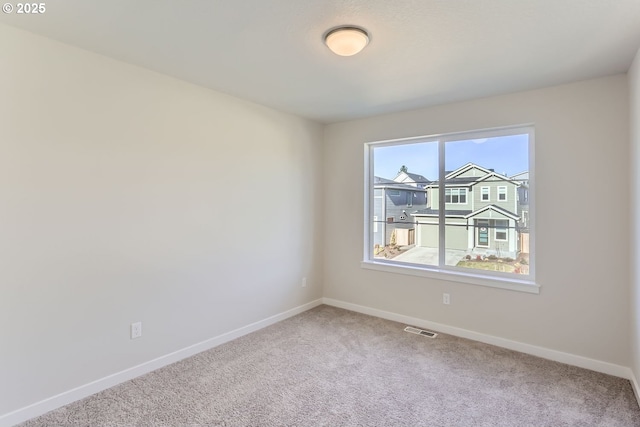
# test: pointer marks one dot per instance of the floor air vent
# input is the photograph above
(422, 332)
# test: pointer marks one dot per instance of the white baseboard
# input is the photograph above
(57, 401)
(558, 356)
(635, 386)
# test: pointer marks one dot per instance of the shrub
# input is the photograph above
(493, 257)
(523, 261)
(508, 259)
(478, 258)
(468, 257)
(392, 239)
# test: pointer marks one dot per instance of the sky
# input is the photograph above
(507, 155)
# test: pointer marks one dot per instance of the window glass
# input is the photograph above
(406, 166)
(501, 229)
(485, 194)
(502, 193)
(466, 230)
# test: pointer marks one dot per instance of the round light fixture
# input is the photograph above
(347, 40)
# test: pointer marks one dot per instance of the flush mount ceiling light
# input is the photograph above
(346, 40)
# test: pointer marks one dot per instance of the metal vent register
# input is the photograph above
(422, 332)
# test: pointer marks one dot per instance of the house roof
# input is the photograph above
(466, 167)
(521, 175)
(465, 213)
(435, 212)
(452, 179)
(455, 181)
(418, 178)
(379, 182)
(496, 209)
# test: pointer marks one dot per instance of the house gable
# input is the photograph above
(470, 170)
(493, 176)
(492, 212)
(413, 179)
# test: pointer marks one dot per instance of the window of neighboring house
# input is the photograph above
(455, 195)
(461, 243)
(394, 192)
(484, 194)
(501, 229)
(502, 194)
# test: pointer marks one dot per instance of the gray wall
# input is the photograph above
(583, 306)
(115, 192)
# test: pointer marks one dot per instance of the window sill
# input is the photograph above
(527, 286)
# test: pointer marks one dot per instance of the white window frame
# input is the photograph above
(509, 281)
(483, 193)
(501, 229)
(502, 190)
(460, 192)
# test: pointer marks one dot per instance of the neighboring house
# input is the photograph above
(523, 209)
(412, 179)
(523, 197)
(481, 212)
(393, 203)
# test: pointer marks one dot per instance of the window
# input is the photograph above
(501, 229)
(455, 237)
(484, 194)
(455, 195)
(502, 194)
(394, 192)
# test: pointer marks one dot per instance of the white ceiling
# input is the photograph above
(422, 52)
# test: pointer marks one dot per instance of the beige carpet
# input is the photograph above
(331, 367)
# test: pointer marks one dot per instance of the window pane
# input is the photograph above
(481, 233)
(409, 233)
(484, 221)
(485, 194)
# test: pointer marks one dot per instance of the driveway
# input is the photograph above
(429, 256)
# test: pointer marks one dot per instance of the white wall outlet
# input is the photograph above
(136, 330)
(446, 299)
(304, 282)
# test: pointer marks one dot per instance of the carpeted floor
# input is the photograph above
(332, 367)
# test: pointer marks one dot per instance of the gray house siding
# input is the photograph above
(472, 173)
(392, 210)
(475, 234)
(511, 204)
(378, 217)
(489, 226)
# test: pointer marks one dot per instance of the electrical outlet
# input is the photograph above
(136, 330)
(446, 299)
(304, 282)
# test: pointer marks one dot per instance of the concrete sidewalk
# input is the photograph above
(429, 256)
